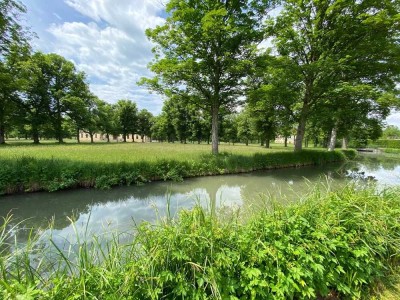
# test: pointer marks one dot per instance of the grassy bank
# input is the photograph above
(55, 167)
(340, 245)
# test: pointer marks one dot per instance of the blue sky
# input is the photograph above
(106, 40)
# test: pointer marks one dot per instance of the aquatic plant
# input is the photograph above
(339, 244)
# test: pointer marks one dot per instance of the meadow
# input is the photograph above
(126, 152)
(51, 167)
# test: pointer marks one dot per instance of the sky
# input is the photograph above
(106, 40)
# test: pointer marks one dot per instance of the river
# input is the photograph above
(118, 209)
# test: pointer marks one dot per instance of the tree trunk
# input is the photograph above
(345, 143)
(108, 138)
(142, 138)
(267, 143)
(332, 142)
(124, 137)
(78, 136)
(214, 129)
(301, 129)
(58, 126)
(2, 134)
(35, 136)
(285, 141)
(247, 142)
(91, 138)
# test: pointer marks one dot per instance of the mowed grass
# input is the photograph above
(127, 152)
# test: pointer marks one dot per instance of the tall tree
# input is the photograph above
(204, 49)
(63, 81)
(145, 122)
(334, 41)
(106, 119)
(49, 81)
(13, 39)
(126, 115)
(35, 98)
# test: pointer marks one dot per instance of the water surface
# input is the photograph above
(97, 211)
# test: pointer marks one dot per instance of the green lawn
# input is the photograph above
(126, 152)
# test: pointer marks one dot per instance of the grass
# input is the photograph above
(338, 245)
(56, 167)
(126, 152)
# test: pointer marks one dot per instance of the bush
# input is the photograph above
(388, 143)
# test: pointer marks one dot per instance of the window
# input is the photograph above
(137, 137)
(87, 136)
(95, 135)
(81, 135)
(127, 136)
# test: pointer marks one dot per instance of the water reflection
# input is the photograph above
(120, 208)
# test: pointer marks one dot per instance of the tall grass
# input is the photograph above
(339, 244)
(42, 172)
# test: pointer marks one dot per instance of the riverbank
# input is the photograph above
(339, 245)
(52, 168)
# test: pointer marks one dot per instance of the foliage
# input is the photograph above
(203, 52)
(391, 132)
(331, 43)
(388, 143)
(336, 244)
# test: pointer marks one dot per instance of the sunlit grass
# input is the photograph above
(127, 152)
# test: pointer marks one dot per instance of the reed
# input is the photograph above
(340, 244)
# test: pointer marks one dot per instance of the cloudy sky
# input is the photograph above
(106, 40)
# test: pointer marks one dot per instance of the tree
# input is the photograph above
(204, 50)
(272, 95)
(244, 126)
(63, 81)
(78, 113)
(391, 132)
(13, 41)
(49, 83)
(332, 41)
(126, 115)
(145, 122)
(35, 97)
(106, 119)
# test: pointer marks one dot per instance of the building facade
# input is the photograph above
(99, 137)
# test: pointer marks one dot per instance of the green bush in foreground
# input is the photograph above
(28, 174)
(337, 244)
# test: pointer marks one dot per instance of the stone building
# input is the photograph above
(99, 137)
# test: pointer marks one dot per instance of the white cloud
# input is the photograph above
(394, 119)
(112, 49)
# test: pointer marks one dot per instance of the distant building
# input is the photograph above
(99, 137)
(281, 140)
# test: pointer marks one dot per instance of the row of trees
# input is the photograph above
(43, 95)
(331, 72)
(48, 97)
(333, 66)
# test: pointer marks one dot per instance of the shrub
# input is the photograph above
(388, 143)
